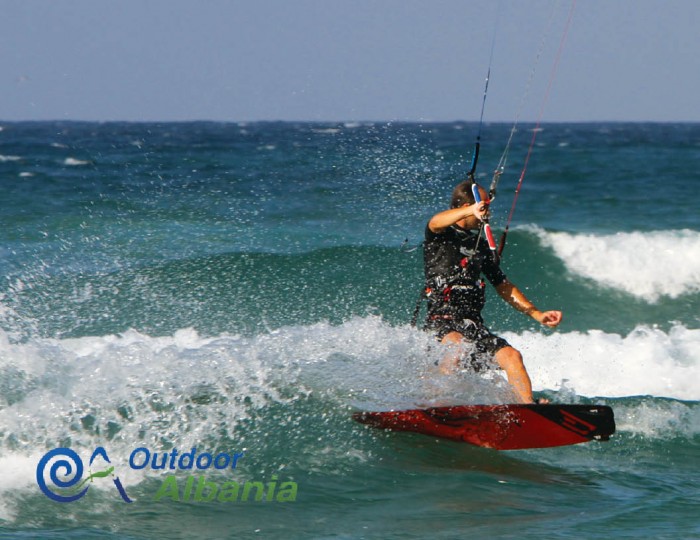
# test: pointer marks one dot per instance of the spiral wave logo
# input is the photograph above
(68, 464)
(65, 471)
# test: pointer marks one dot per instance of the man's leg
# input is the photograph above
(450, 362)
(511, 361)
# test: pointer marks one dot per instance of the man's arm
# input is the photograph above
(442, 220)
(511, 294)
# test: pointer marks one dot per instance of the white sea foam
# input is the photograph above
(4, 159)
(648, 265)
(131, 390)
(647, 361)
(73, 162)
(327, 131)
(137, 381)
(658, 419)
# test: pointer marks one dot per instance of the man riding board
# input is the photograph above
(455, 259)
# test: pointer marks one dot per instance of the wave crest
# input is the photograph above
(648, 265)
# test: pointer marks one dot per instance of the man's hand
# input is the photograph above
(480, 210)
(548, 318)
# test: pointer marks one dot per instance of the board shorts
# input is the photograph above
(484, 343)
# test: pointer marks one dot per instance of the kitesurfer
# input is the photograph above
(455, 259)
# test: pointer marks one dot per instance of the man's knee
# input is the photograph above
(508, 357)
(452, 337)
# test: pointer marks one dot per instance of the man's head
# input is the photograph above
(462, 194)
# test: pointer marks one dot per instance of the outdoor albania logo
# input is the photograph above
(65, 471)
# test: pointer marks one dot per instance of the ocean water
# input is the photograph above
(244, 288)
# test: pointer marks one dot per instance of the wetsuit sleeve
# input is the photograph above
(492, 270)
(429, 235)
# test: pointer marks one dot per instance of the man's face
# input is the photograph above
(473, 222)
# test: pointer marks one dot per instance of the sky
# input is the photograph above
(349, 60)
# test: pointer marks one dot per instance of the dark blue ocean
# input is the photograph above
(219, 288)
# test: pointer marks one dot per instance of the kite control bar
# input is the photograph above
(486, 226)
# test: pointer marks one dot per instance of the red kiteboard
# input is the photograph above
(502, 427)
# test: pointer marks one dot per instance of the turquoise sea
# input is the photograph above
(216, 289)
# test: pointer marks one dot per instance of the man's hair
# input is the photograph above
(462, 194)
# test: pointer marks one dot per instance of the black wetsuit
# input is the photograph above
(456, 292)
